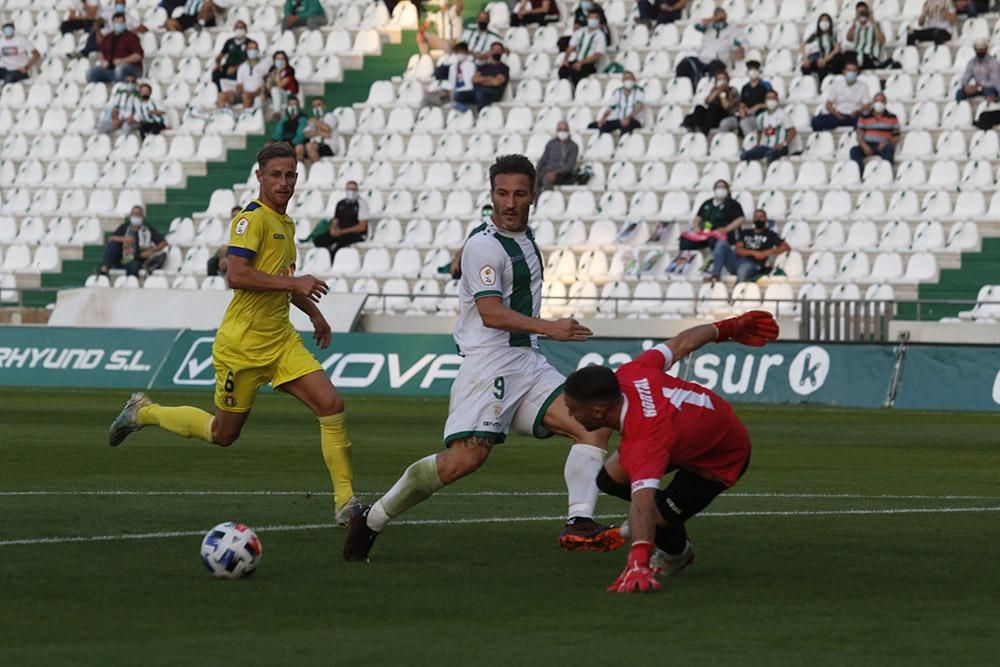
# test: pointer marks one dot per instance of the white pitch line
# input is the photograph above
(484, 520)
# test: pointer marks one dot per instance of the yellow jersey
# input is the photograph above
(256, 325)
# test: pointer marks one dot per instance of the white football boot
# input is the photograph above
(127, 420)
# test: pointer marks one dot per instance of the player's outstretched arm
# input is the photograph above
(754, 328)
(243, 276)
(498, 316)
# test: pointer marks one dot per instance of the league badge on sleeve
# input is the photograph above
(488, 275)
(241, 226)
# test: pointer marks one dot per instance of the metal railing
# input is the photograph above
(830, 321)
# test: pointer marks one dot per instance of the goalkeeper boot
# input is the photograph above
(585, 534)
(360, 537)
(343, 515)
(127, 420)
(666, 564)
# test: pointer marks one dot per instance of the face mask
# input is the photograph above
(862, 18)
(593, 23)
(760, 224)
(980, 54)
(144, 97)
(240, 33)
(719, 25)
(483, 25)
(754, 74)
(135, 220)
(318, 111)
(721, 193)
(585, 6)
(497, 56)
(280, 64)
(879, 107)
(851, 76)
(8, 32)
(351, 195)
(130, 87)
(824, 25)
(722, 83)
(119, 28)
(771, 104)
(562, 135)
(253, 54)
(629, 84)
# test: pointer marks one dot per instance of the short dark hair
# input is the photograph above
(281, 149)
(512, 164)
(593, 384)
(462, 46)
(117, 15)
(753, 64)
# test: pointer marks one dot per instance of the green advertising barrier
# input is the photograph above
(950, 377)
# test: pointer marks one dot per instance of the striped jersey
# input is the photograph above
(587, 42)
(624, 103)
(144, 110)
(878, 128)
(478, 40)
(821, 42)
(124, 100)
(773, 127)
(503, 264)
(192, 7)
(866, 40)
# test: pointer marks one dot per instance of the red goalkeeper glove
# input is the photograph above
(754, 328)
(637, 575)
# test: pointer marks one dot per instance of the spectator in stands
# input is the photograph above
(558, 160)
(488, 83)
(478, 38)
(878, 134)
(149, 113)
(219, 9)
(627, 109)
(720, 103)
(748, 253)
(580, 21)
(81, 16)
(291, 127)
(196, 13)
(981, 76)
(17, 55)
(775, 132)
(664, 11)
(104, 25)
(282, 83)
(218, 264)
(121, 54)
(846, 99)
(446, 19)
(458, 80)
(120, 113)
(349, 223)
(250, 76)
(320, 138)
(752, 97)
(967, 7)
(721, 44)
(534, 12)
(586, 47)
(233, 53)
(715, 218)
(133, 246)
(821, 54)
(866, 37)
(304, 14)
(937, 23)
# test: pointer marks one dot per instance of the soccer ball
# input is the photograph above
(231, 551)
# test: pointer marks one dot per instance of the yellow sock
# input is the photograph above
(184, 421)
(337, 454)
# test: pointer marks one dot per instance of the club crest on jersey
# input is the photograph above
(488, 275)
(241, 226)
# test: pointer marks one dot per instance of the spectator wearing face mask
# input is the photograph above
(716, 217)
(558, 161)
(196, 13)
(250, 77)
(721, 45)
(534, 12)
(878, 134)
(937, 23)
(320, 138)
(821, 51)
(748, 253)
(720, 103)
(120, 113)
(846, 99)
(133, 246)
(488, 83)
(478, 38)
(665, 11)
(586, 47)
(291, 127)
(121, 54)
(103, 25)
(626, 111)
(981, 76)
(579, 16)
(866, 37)
(348, 225)
(458, 79)
(218, 264)
(304, 14)
(17, 55)
(775, 132)
(232, 55)
(752, 97)
(149, 113)
(282, 82)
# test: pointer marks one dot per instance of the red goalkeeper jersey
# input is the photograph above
(670, 423)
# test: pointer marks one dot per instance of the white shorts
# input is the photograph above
(501, 388)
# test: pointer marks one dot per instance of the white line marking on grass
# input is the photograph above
(483, 520)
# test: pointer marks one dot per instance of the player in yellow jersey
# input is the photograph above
(256, 343)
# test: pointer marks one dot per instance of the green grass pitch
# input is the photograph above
(864, 537)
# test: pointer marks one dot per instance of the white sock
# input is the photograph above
(377, 518)
(582, 465)
(417, 484)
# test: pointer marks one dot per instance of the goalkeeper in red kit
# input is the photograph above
(666, 424)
